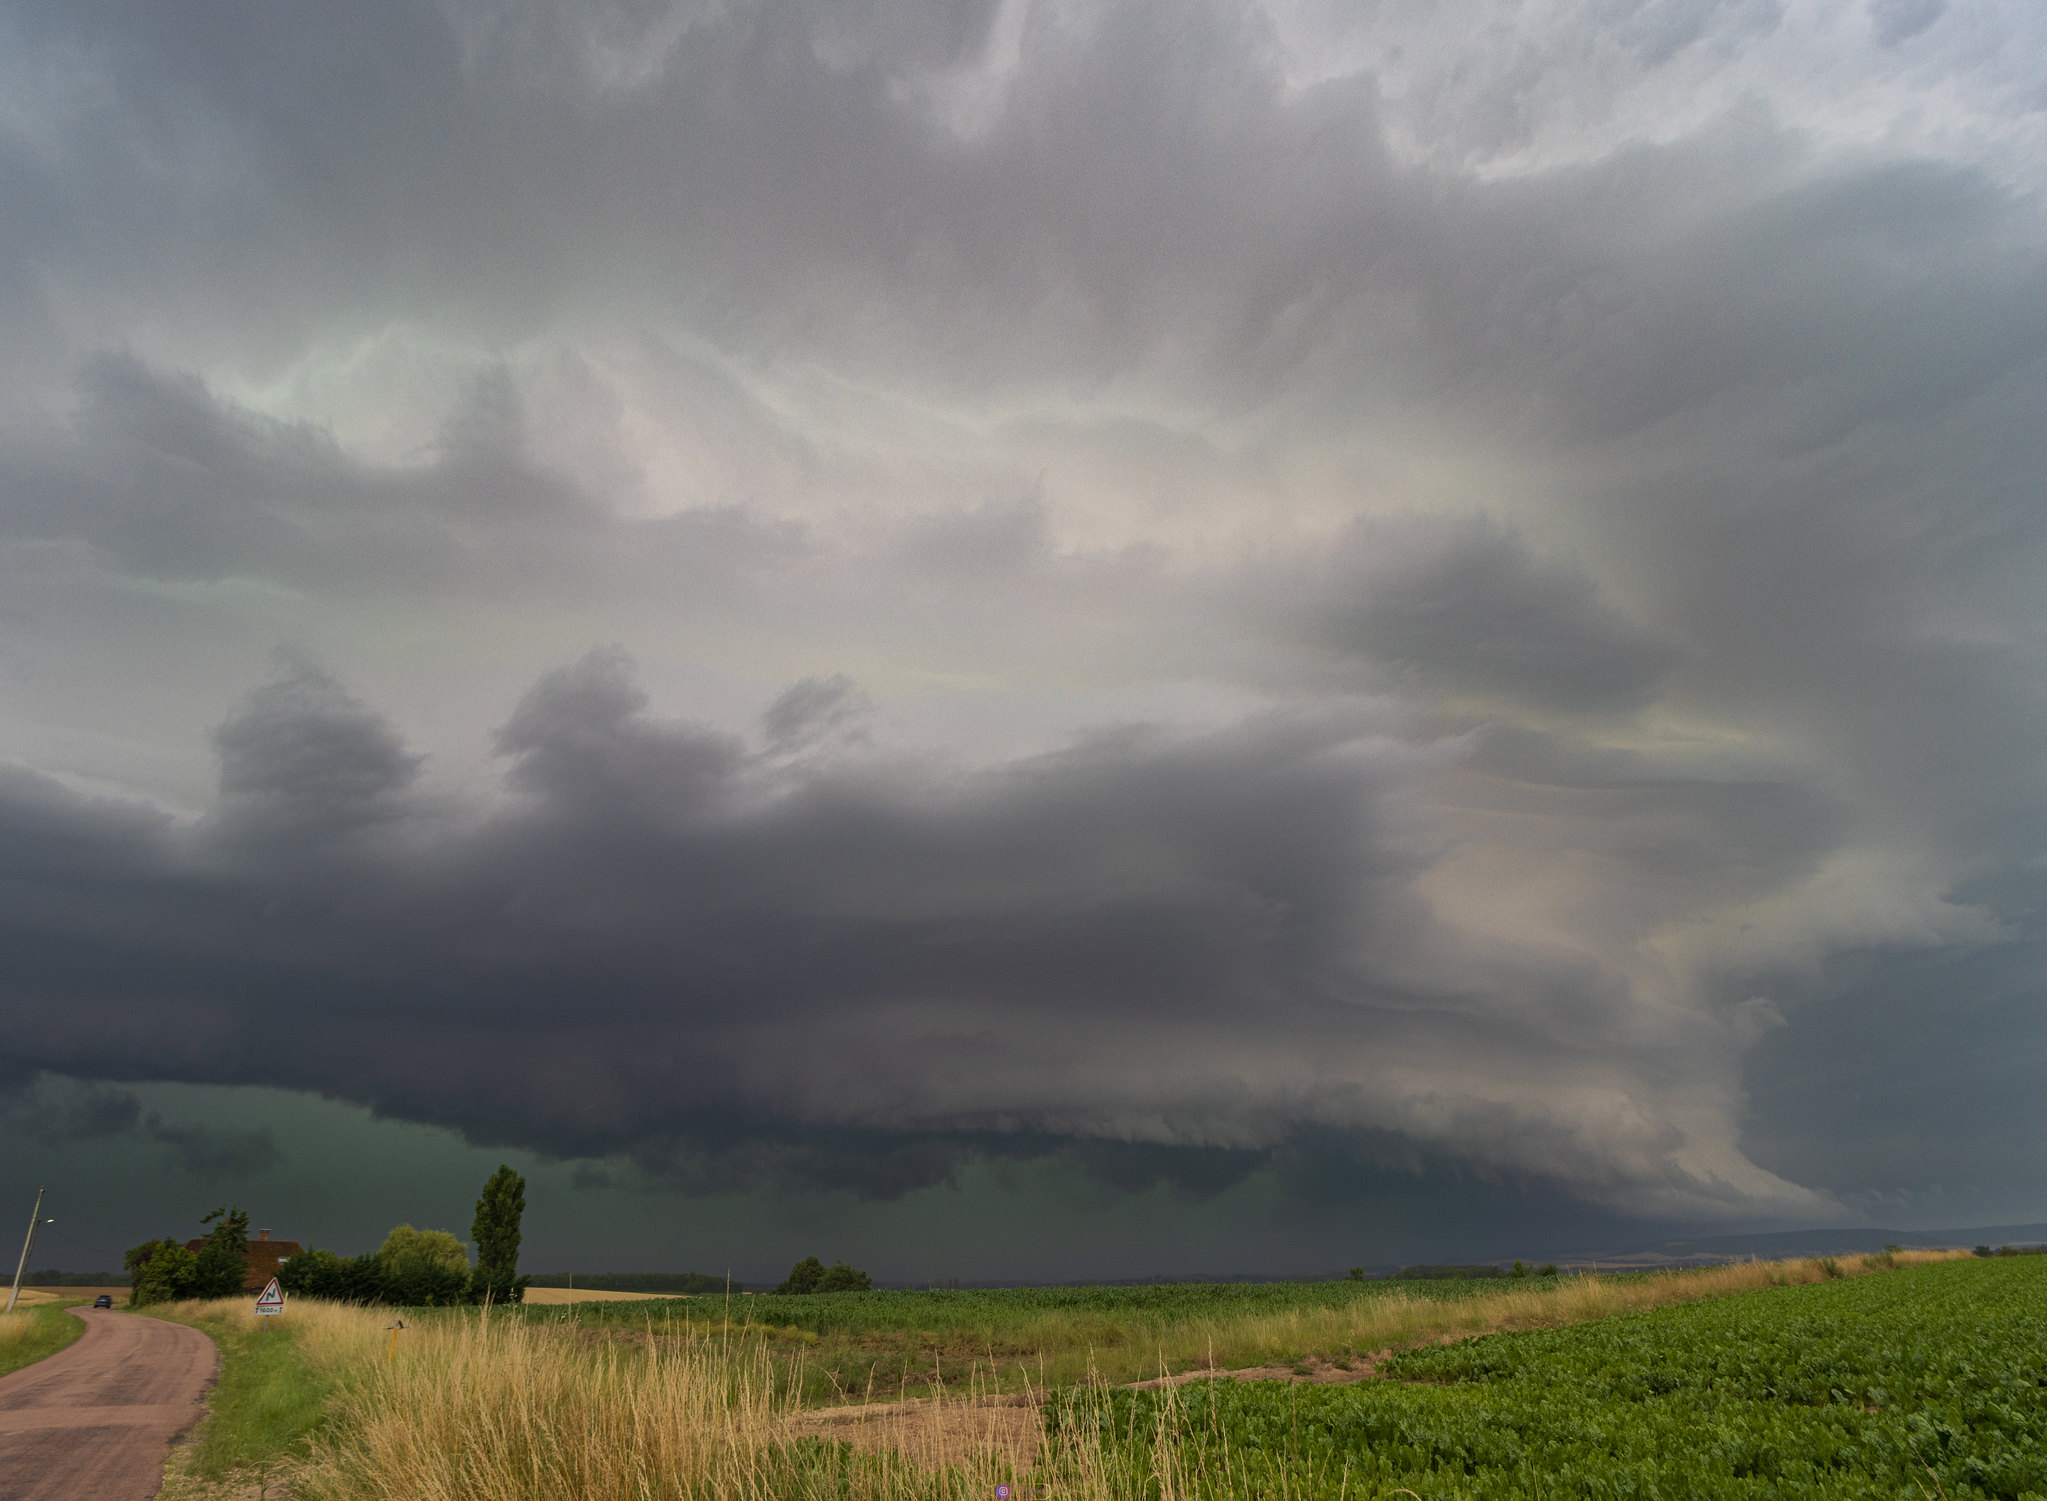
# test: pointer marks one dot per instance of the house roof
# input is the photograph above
(264, 1255)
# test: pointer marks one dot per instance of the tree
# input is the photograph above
(812, 1276)
(840, 1278)
(161, 1271)
(496, 1235)
(423, 1268)
(224, 1258)
(803, 1277)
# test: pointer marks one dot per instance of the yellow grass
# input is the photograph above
(117, 1291)
(490, 1408)
(545, 1296)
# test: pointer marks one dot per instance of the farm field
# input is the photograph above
(841, 1347)
(847, 1347)
(1859, 1378)
(1926, 1381)
(117, 1291)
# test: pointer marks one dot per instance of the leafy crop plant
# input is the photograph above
(1929, 1381)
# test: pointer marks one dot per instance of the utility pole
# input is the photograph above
(34, 1220)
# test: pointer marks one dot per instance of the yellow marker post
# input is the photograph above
(393, 1348)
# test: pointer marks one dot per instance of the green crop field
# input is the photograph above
(842, 1346)
(1925, 1382)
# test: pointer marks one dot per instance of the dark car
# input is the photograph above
(104, 1300)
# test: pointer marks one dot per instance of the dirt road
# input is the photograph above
(95, 1421)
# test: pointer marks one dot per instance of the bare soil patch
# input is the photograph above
(932, 1434)
(945, 1431)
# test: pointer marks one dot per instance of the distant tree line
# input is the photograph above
(2012, 1251)
(639, 1282)
(812, 1276)
(413, 1268)
(51, 1277)
(426, 1268)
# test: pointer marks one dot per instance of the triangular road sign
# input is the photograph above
(272, 1300)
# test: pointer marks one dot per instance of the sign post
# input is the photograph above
(271, 1302)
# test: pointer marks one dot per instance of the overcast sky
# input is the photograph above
(1023, 638)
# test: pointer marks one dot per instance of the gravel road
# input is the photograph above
(94, 1422)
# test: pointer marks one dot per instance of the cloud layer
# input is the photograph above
(816, 592)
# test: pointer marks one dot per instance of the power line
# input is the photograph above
(96, 1250)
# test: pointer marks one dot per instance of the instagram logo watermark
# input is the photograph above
(1007, 1492)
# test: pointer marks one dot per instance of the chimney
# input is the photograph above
(262, 1235)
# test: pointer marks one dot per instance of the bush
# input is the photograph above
(413, 1269)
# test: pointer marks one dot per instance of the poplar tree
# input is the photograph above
(495, 1235)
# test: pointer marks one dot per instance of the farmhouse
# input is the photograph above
(264, 1255)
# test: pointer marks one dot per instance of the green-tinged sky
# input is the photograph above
(334, 1176)
(1024, 638)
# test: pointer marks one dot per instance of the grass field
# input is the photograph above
(1768, 1379)
(859, 1346)
(1930, 1381)
(29, 1334)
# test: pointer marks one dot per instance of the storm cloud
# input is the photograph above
(821, 594)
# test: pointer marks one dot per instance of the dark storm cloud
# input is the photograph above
(1467, 607)
(304, 758)
(1641, 631)
(212, 1152)
(167, 481)
(54, 1110)
(812, 710)
(669, 944)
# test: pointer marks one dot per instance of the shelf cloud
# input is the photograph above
(817, 594)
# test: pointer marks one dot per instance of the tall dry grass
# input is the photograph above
(16, 1327)
(480, 1408)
